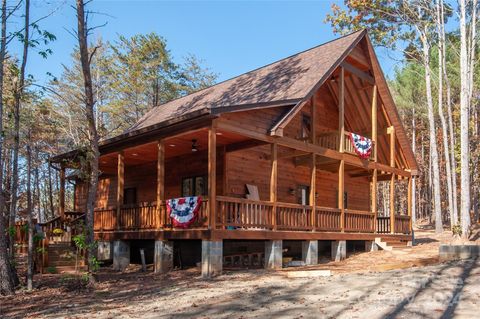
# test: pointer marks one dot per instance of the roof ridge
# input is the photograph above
(251, 71)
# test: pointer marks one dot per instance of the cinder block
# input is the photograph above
(310, 252)
(163, 256)
(339, 250)
(370, 245)
(121, 255)
(273, 254)
(105, 250)
(212, 258)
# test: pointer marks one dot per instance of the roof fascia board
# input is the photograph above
(277, 129)
(248, 107)
(392, 111)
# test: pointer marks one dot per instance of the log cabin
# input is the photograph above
(272, 155)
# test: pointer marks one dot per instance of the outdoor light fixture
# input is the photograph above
(194, 145)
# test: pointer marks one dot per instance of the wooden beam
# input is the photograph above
(374, 197)
(274, 181)
(313, 121)
(374, 123)
(341, 110)
(313, 180)
(341, 191)
(120, 183)
(212, 174)
(409, 201)
(392, 204)
(161, 183)
(356, 71)
(243, 145)
(311, 148)
(61, 206)
(391, 131)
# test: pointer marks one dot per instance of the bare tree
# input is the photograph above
(443, 121)
(7, 285)
(467, 56)
(92, 152)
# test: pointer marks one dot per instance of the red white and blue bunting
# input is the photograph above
(183, 211)
(362, 145)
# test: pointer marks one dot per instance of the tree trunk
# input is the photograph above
(18, 93)
(464, 125)
(443, 122)
(414, 136)
(93, 152)
(31, 226)
(7, 286)
(437, 209)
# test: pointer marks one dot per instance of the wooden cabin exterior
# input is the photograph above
(283, 128)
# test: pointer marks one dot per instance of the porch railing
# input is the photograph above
(233, 213)
(331, 141)
(359, 221)
(293, 217)
(328, 219)
(239, 213)
(402, 224)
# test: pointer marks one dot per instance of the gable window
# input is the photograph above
(306, 127)
(194, 186)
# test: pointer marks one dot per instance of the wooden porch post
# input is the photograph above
(61, 208)
(409, 202)
(375, 173)
(273, 183)
(161, 212)
(313, 173)
(341, 168)
(313, 178)
(391, 131)
(120, 184)
(212, 174)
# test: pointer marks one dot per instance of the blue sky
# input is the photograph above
(232, 37)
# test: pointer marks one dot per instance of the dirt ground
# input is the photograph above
(404, 283)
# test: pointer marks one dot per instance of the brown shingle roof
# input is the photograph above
(288, 79)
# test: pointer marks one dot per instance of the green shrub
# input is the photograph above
(457, 230)
(51, 270)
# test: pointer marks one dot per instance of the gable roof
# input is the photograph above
(286, 81)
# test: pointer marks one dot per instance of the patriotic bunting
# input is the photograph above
(362, 145)
(183, 211)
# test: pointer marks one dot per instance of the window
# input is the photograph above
(306, 126)
(194, 186)
(304, 196)
(130, 196)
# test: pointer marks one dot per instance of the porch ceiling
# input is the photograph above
(174, 146)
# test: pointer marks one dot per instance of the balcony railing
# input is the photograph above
(331, 141)
(238, 213)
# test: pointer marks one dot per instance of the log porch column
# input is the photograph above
(409, 202)
(313, 173)
(341, 167)
(212, 174)
(375, 173)
(273, 183)
(120, 185)
(391, 131)
(61, 206)
(161, 212)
